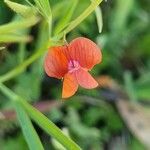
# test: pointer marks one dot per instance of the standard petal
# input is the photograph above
(70, 85)
(85, 80)
(85, 51)
(56, 63)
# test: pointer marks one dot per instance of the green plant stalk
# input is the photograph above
(41, 120)
(49, 26)
(21, 53)
(19, 69)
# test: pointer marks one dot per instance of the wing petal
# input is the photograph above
(56, 63)
(85, 80)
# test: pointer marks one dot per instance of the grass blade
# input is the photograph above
(99, 18)
(10, 38)
(49, 127)
(28, 130)
(80, 18)
(44, 8)
(18, 25)
(67, 16)
(23, 10)
(41, 120)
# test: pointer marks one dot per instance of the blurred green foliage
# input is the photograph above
(124, 41)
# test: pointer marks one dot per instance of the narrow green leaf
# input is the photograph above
(41, 120)
(80, 18)
(23, 10)
(49, 127)
(56, 144)
(18, 25)
(28, 130)
(44, 8)
(10, 38)
(99, 19)
(67, 16)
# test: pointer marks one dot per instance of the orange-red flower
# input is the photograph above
(72, 63)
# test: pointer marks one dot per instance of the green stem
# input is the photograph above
(20, 68)
(6, 91)
(86, 13)
(21, 53)
(41, 120)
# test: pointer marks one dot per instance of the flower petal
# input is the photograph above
(56, 63)
(85, 51)
(70, 85)
(85, 80)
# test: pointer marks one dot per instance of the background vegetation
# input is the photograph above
(95, 119)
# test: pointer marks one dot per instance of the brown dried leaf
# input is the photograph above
(137, 119)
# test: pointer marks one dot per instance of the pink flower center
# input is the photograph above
(73, 65)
